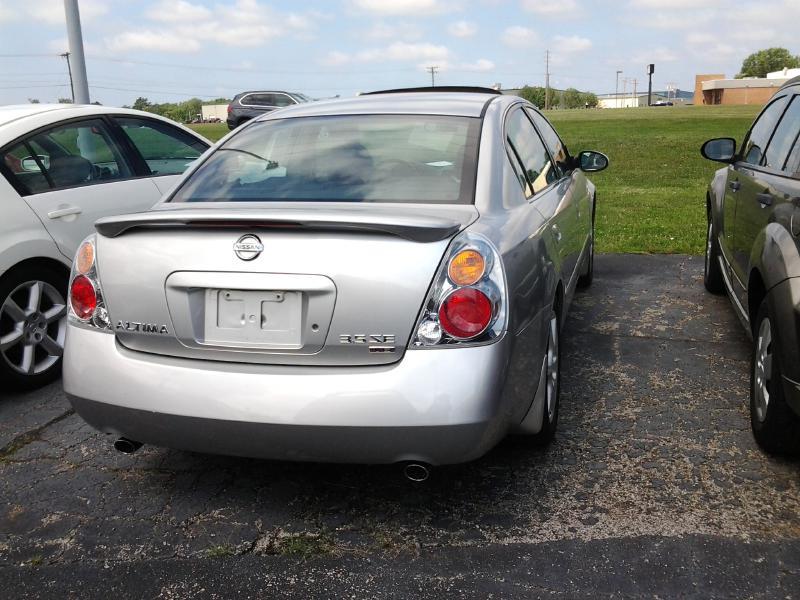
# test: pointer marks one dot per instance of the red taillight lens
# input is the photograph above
(83, 297)
(465, 313)
(230, 108)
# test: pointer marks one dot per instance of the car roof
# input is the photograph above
(18, 119)
(462, 104)
(265, 92)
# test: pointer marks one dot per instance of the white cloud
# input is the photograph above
(571, 44)
(160, 41)
(397, 51)
(178, 11)
(655, 55)
(520, 37)
(51, 12)
(7, 14)
(462, 29)
(404, 31)
(402, 7)
(481, 65)
(403, 51)
(549, 8)
(243, 23)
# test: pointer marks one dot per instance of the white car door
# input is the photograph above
(74, 173)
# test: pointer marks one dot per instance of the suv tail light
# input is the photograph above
(230, 108)
(85, 293)
(467, 302)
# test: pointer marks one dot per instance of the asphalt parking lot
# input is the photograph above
(653, 487)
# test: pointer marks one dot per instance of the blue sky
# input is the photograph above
(169, 50)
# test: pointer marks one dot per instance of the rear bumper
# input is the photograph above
(438, 406)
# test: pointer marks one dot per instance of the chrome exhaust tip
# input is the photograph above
(126, 446)
(416, 472)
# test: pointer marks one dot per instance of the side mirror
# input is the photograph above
(719, 149)
(591, 162)
(30, 165)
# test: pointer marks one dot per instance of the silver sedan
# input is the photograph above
(376, 280)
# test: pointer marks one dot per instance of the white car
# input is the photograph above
(63, 167)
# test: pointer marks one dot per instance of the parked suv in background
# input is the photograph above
(248, 105)
(753, 252)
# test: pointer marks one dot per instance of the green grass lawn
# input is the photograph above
(652, 198)
(212, 131)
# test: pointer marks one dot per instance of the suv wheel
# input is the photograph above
(33, 324)
(712, 277)
(776, 427)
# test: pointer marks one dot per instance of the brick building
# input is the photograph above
(715, 89)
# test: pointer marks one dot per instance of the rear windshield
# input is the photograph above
(354, 158)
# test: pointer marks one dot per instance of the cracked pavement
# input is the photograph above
(652, 487)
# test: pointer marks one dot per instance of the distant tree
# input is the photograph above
(65, 100)
(218, 101)
(141, 103)
(572, 98)
(33, 100)
(766, 61)
(534, 95)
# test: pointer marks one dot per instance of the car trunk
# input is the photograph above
(333, 285)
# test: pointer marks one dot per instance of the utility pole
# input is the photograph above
(635, 83)
(80, 94)
(650, 70)
(670, 89)
(616, 90)
(433, 70)
(69, 70)
(625, 81)
(547, 80)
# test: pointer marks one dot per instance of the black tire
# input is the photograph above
(552, 400)
(46, 363)
(775, 425)
(585, 280)
(712, 277)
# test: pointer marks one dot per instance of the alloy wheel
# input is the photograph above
(33, 324)
(763, 369)
(552, 370)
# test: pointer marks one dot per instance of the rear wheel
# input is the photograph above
(33, 324)
(776, 427)
(552, 382)
(713, 272)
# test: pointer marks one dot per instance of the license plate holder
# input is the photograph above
(266, 319)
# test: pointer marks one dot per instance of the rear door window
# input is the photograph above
(756, 142)
(785, 137)
(166, 149)
(528, 148)
(282, 100)
(70, 155)
(257, 100)
(551, 139)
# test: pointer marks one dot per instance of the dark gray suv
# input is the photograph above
(248, 105)
(753, 253)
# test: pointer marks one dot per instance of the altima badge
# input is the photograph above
(248, 247)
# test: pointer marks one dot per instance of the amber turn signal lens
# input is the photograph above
(466, 267)
(84, 261)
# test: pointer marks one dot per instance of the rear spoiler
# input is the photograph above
(412, 222)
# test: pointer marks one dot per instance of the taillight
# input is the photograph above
(230, 108)
(465, 313)
(85, 293)
(82, 297)
(466, 303)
